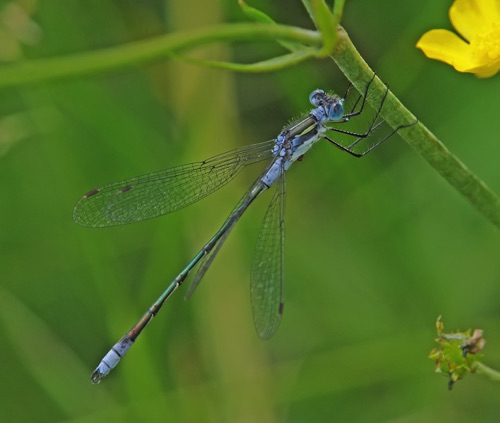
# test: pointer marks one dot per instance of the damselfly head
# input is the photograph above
(317, 97)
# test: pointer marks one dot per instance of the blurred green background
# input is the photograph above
(376, 248)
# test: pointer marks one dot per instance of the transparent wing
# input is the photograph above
(266, 278)
(231, 221)
(206, 262)
(163, 192)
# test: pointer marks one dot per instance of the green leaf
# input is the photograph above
(259, 16)
(327, 25)
(255, 14)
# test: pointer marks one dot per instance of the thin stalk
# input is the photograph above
(153, 49)
(488, 371)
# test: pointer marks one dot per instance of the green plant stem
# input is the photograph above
(417, 136)
(488, 371)
(146, 51)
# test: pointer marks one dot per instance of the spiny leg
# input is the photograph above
(353, 112)
(374, 125)
(364, 153)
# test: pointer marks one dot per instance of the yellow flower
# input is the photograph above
(478, 21)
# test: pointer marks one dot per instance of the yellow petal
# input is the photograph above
(486, 74)
(470, 17)
(485, 71)
(447, 47)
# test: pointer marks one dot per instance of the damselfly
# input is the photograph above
(166, 191)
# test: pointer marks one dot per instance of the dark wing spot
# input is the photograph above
(91, 193)
(125, 189)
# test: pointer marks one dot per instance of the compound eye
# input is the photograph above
(336, 111)
(316, 97)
